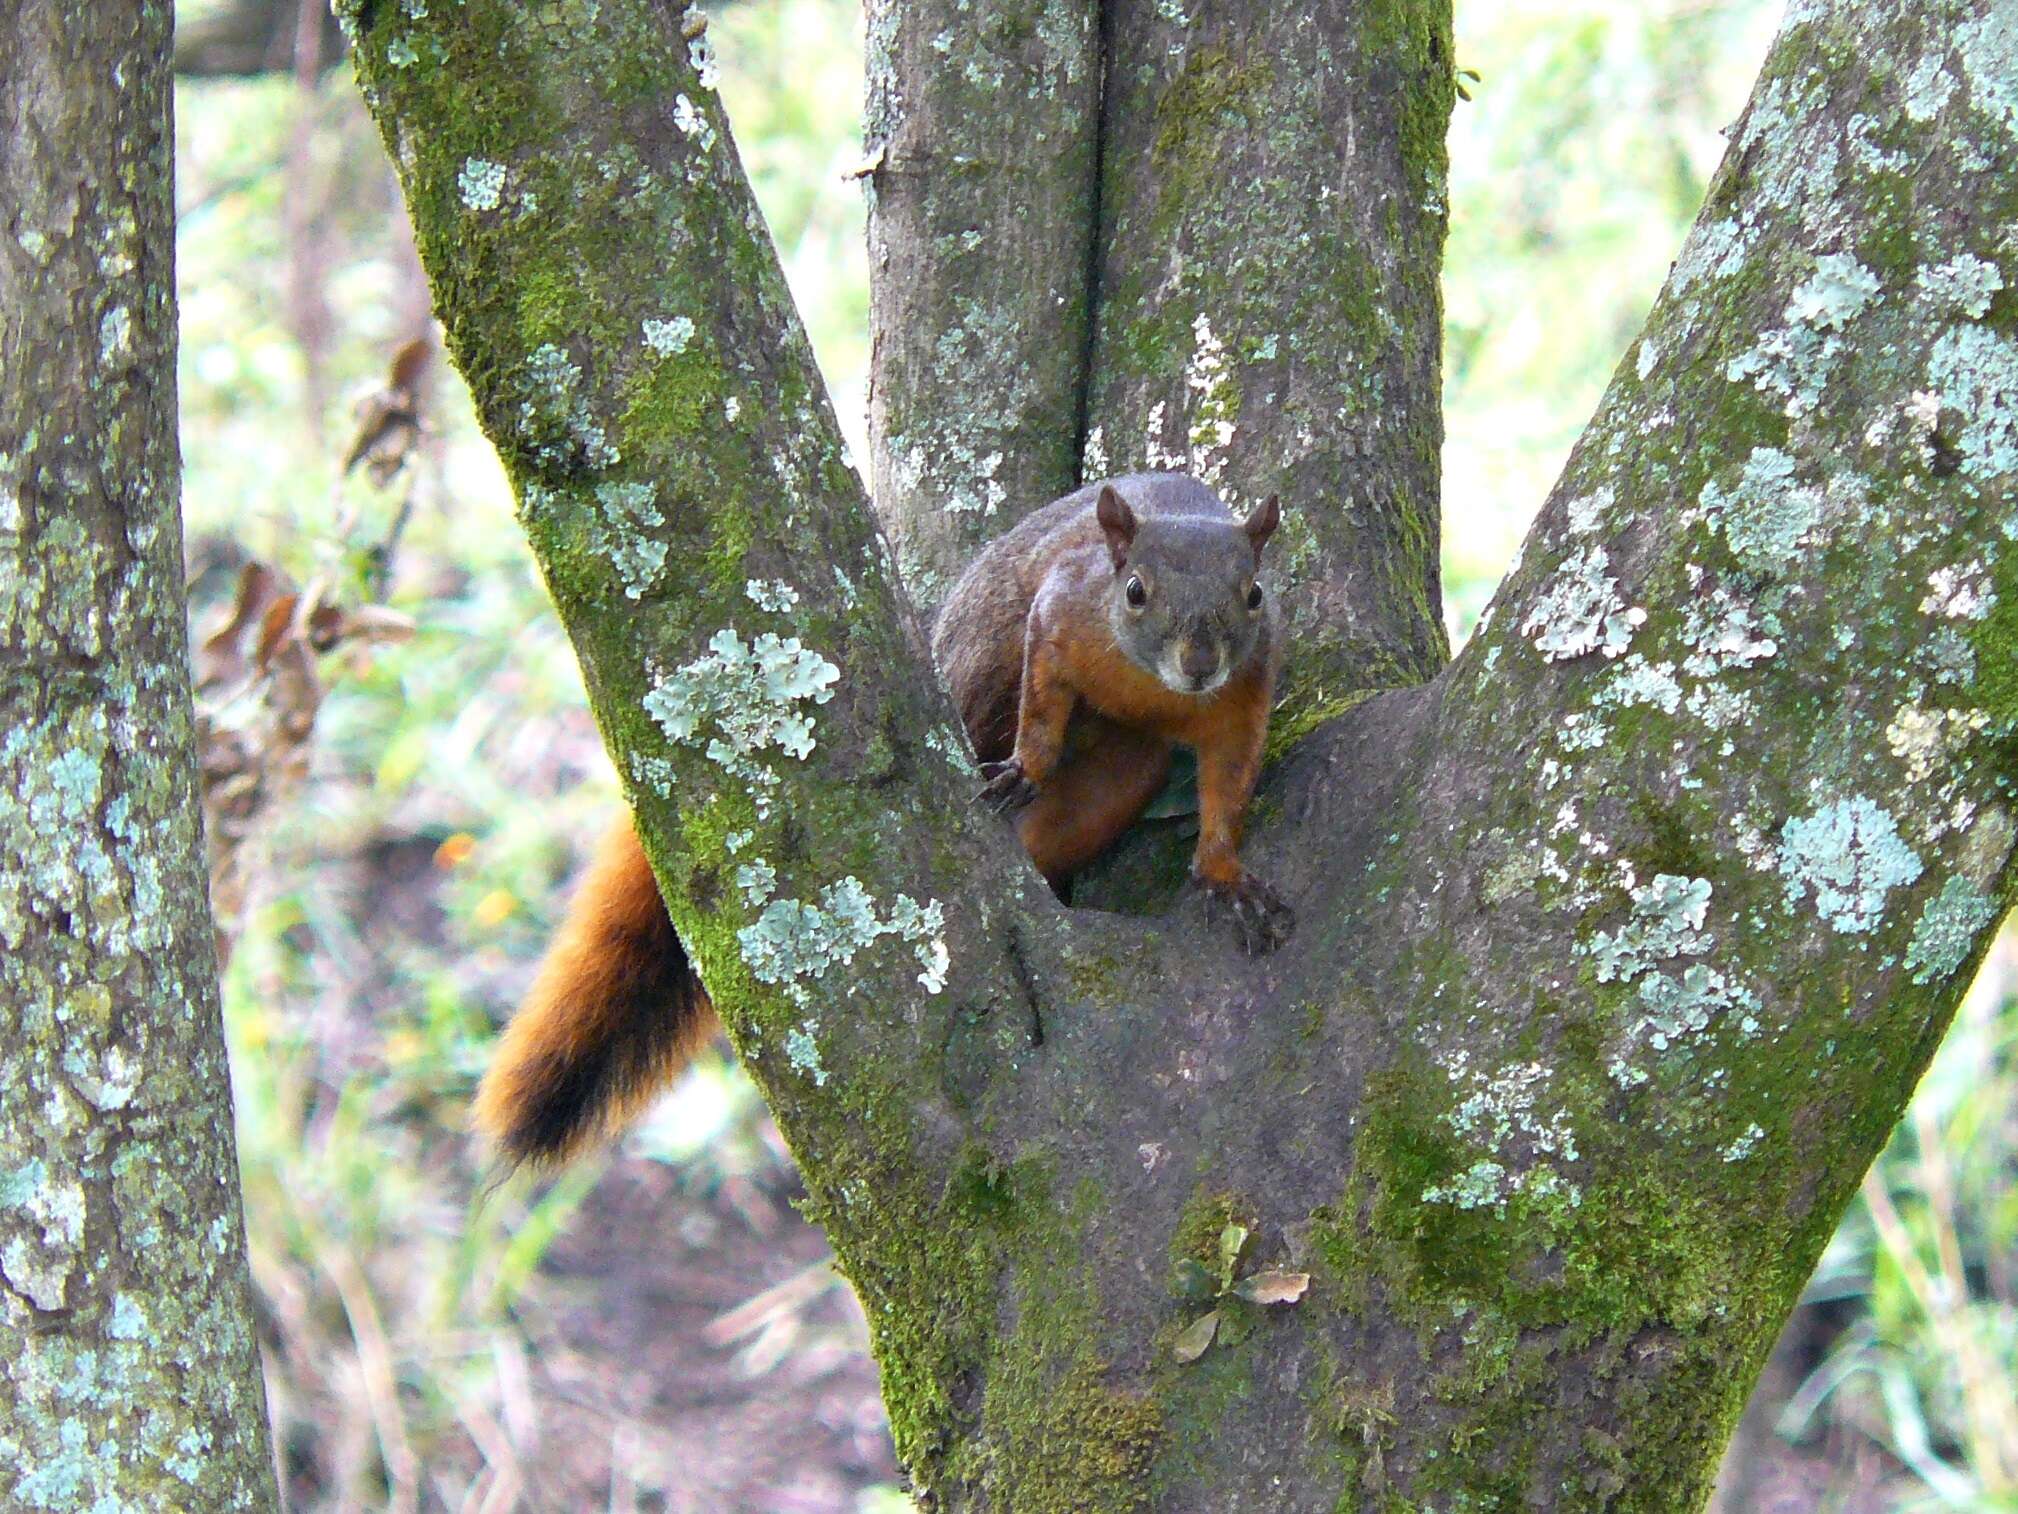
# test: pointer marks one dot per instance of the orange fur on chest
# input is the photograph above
(1107, 680)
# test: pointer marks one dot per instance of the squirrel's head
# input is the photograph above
(1184, 602)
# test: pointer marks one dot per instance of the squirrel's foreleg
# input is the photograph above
(1228, 766)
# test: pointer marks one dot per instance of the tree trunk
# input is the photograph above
(128, 1373)
(250, 37)
(983, 244)
(1272, 226)
(1623, 939)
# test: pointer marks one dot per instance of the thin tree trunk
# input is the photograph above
(1623, 939)
(1272, 207)
(1260, 200)
(249, 37)
(981, 240)
(128, 1372)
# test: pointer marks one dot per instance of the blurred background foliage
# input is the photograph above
(658, 1329)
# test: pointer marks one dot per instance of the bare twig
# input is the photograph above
(307, 254)
(374, 1354)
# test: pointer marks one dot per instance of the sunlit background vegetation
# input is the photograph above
(658, 1329)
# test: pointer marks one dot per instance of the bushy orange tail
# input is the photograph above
(613, 1016)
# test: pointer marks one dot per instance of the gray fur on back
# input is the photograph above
(977, 641)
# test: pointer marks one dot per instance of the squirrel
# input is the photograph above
(1081, 647)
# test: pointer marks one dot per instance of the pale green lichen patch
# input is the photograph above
(115, 333)
(1724, 632)
(1989, 49)
(757, 879)
(746, 699)
(1588, 512)
(1797, 361)
(40, 1256)
(1946, 933)
(480, 182)
(1581, 610)
(1745, 1144)
(1929, 87)
(1641, 683)
(628, 511)
(792, 941)
(1504, 1111)
(1714, 251)
(668, 337)
(1834, 295)
(1674, 1009)
(775, 596)
(1765, 514)
(556, 420)
(1959, 591)
(1483, 1185)
(1948, 656)
(1965, 283)
(1850, 854)
(1667, 921)
(128, 1321)
(1974, 370)
(1678, 1009)
(802, 1050)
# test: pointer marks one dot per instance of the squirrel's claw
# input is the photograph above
(1261, 918)
(1006, 787)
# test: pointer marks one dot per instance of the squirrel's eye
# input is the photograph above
(1254, 597)
(1138, 596)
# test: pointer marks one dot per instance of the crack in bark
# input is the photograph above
(1096, 238)
(1019, 964)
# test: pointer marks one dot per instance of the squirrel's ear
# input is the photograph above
(1117, 523)
(1262, 521)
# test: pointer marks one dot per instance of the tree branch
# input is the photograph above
(981, 245)
(608, 289)
(1714, 815)
(1273, 218)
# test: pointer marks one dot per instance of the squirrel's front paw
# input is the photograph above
(1260, 917)
(1006, 787)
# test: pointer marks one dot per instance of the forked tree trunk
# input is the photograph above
(128, 1374)
(1623, 937)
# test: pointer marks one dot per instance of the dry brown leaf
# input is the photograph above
(1273, 1286)
(275, 626)
(1190, 1345)
(375, 624)
(221, 657)
(388, 419)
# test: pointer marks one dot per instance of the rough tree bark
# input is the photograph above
(1624, 937)
(983, 242)
(128, 1374)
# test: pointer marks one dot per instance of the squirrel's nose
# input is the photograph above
(1198, 661)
